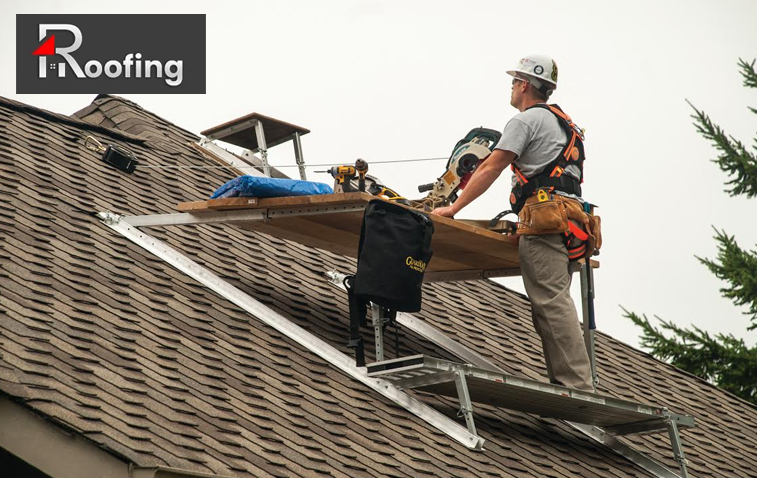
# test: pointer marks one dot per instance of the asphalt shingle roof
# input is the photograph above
(109, 341)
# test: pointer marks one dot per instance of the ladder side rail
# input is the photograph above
(240, 164)
(646, 462)
(231, 216)
(274, 319)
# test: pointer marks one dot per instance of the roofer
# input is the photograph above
(545, 151)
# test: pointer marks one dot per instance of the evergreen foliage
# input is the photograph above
(734, 159)
(722, 360)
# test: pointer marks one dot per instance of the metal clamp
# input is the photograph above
(110, 218)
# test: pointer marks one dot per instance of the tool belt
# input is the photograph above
(545, 213)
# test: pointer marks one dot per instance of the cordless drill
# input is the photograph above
(344, 174)
(361, 166)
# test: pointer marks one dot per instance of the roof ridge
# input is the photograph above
(148, 117)
(69, 120)
(120, 98)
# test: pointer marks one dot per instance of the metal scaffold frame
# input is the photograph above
(667, 421)
(391, 377)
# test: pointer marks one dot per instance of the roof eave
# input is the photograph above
(61, 454)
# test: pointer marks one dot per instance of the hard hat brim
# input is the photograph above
(513, 74)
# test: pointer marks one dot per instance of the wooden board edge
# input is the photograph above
(192, 206)
(218, 204)
(284, 201)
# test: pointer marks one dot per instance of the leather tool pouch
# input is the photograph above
(595, 230)
(548, 216)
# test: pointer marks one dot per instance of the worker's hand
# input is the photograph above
(447, 211)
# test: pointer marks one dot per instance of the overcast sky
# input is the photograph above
(391, 80)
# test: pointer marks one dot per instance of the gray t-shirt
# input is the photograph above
(536, 137)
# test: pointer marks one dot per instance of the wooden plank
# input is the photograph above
(482, 223)
(192, 206)
(457, 246)
(340, 234)
(274, 203)
(476, 247)
(302, 231)
(316, 200)
(459, 225)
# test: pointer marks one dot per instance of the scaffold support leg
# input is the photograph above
(466, 406)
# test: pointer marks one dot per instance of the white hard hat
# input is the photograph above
(540, 68)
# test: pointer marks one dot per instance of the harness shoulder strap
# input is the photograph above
(552, 178)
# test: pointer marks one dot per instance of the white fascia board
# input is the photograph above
(61, 453)
(50, 449)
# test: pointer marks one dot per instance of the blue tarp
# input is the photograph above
(262, 187)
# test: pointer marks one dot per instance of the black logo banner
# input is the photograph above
(110, 54)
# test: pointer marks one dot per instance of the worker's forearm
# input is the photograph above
(481, 180)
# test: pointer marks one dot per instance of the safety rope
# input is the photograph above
(290, 165)
(91, 143)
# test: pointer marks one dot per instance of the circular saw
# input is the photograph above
(468, 153)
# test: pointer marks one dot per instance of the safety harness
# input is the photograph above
(576, 251)
(552, 177)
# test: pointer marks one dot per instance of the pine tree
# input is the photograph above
(723, 359)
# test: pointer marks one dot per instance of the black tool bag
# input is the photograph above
(394, 251)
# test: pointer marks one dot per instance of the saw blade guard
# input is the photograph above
(465, 158)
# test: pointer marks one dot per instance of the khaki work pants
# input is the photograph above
(544, 265)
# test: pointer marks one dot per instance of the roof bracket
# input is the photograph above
(429, 374)
(110, 218)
